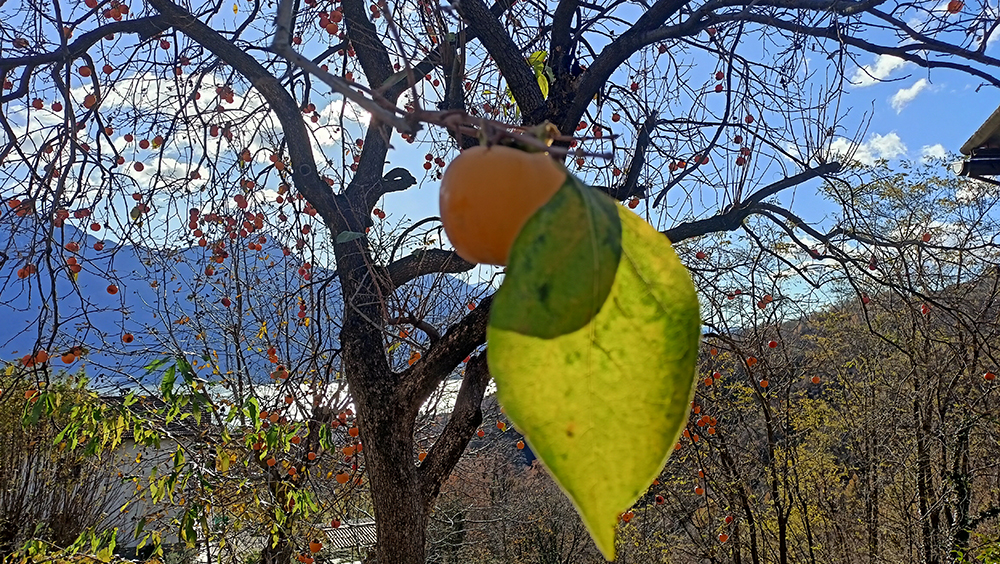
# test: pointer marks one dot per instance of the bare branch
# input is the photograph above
(612, 56)
(282, 46)
(461, 340)
(732, 219)
(465, 418)
(304, 169)
(431, 331)
(630, 186)
(562, 38)
(431, 261)
(144, 27)
(519, 75)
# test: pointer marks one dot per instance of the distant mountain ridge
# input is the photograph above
(174, 301)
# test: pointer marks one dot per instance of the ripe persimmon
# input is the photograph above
(488, 194)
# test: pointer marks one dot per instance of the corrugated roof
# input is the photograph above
(351, 535)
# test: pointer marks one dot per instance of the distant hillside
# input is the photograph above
(169, 302)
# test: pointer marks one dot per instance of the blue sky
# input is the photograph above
(911, 115)
(915, 112)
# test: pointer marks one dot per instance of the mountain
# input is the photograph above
(183, 301)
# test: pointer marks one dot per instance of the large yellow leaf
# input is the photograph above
(593, 339)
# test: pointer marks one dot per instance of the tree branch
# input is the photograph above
(561, 47)
(466, 416)
(733, 219)
(367, 195)
(613, 55)
(144, 27)
(906, 52)
(282, 47)
(432, 333)
(630, 186)
(371, 52)
(430, 261)
(519, 75)
(304, 171)
(418, 381)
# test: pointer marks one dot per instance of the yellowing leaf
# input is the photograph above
(543, 84)
(537, 59)
(223, 461)
(593, 339)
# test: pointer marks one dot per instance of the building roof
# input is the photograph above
(987, 136)
(360, 534)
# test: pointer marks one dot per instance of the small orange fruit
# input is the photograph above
(488, 194)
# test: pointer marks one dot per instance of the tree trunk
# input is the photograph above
(400, 514)
(279, 552)
(928, 520)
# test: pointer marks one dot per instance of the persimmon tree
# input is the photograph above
(211, 127)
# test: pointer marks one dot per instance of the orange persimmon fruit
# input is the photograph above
(488, 194)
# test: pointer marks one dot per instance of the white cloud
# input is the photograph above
(873, 74)
(904, 96)
(930, 152)
(888, 146)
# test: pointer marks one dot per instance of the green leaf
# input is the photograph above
(577, 232)
(167, 384)
(597, 371)
(157, 363)
(345, 236)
